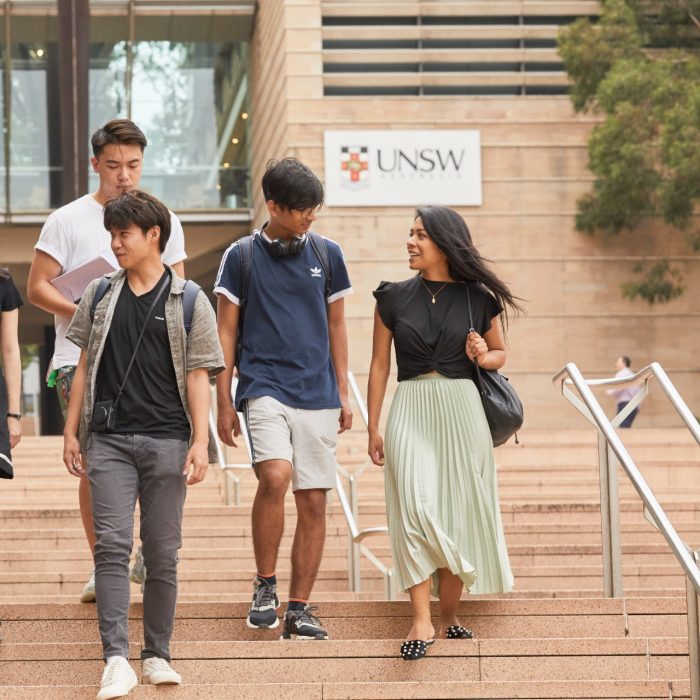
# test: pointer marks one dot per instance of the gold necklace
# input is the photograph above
(427, 289)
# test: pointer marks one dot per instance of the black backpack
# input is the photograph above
(189, 295)
(318, 244)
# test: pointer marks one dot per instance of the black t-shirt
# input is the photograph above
(9, 296)
(431, 337)
(150, 403)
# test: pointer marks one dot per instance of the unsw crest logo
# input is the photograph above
(354, 167)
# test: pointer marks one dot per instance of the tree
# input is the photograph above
(638, 67)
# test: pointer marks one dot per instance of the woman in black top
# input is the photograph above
(440, 478)
(10, 383)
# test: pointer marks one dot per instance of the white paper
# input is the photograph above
(72, 284)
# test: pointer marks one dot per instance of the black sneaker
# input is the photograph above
(263, 609)
(301, 624)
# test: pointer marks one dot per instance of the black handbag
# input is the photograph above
(502, 405)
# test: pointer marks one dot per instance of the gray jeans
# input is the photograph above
(122, 468)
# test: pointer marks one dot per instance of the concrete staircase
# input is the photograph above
(554, 637)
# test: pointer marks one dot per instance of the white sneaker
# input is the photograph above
(118, 679)
(157, 671)
(88, 594)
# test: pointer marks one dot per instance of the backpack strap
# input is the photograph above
(245, 246)
(318, 243)
(189, 297)
(101, 290)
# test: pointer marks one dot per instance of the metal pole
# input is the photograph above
(614, 513)
(351, 559)
(356, 554)
(605, 534)
(693, 636)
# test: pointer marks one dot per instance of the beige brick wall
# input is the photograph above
(534, 169)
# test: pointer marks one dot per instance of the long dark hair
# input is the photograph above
(448, 230)
(4, 273)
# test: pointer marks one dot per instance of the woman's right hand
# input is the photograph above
(375, 449)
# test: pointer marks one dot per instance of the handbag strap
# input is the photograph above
(477, 369)
(161, 289)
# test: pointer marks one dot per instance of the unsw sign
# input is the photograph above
(397, 168)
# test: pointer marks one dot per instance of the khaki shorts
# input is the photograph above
(304, 438)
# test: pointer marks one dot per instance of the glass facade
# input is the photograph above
(190, 99)
(181, 74)
(32, 174)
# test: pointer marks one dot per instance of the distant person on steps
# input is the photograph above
(624, 395)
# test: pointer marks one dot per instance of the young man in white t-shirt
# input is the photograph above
(74, 235)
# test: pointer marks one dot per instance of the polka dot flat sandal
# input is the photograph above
(458, 632)
(414, 649)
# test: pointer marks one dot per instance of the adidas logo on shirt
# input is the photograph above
(315, 271)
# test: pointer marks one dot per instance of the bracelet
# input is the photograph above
(17, 416)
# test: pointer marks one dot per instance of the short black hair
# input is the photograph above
(140, 208)
(116, 132)
(291, 184)
(626, 360)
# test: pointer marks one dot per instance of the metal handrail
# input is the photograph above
(609, 442)
(350, 507)
(232, 483)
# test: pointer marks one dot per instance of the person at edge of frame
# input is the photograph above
(139, 364)
(11, 372)
(74, 235)
(292, 383)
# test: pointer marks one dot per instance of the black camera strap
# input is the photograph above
(163, 287)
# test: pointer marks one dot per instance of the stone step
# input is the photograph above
(372, 593)
(637, 558)
(369, 660)
(487, 617)
(638, 532)
(585, 581)
(401, 690)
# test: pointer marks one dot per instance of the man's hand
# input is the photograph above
(71, 456)
(196, 463)
(345, 420)
(227, 424)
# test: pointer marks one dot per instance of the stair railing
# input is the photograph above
(232, 482)
(351, 508)
(610, 445)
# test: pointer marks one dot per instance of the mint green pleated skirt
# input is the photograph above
(441, 490)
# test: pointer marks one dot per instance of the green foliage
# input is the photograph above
(661, 284)
(29, 352)
(646, 153)
(590, 50)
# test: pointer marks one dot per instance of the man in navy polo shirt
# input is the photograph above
(292, 383)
